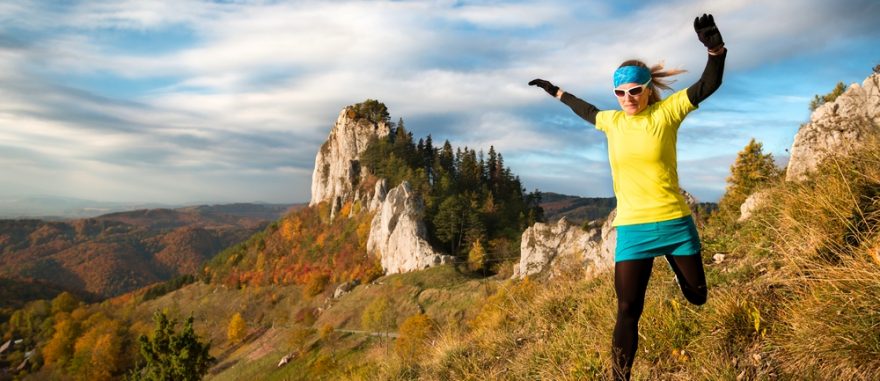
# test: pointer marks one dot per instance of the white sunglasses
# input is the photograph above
(632, 91)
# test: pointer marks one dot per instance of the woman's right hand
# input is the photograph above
(546, 85)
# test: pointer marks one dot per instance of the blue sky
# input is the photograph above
(190, 101)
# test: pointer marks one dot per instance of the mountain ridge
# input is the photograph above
(111, 254)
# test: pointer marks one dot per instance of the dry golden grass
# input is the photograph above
(796, 298)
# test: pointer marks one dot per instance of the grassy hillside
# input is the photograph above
(795, 297)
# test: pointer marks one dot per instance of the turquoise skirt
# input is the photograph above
(653, 239)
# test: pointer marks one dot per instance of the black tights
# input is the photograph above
(630, 282)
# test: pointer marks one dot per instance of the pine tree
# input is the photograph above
(170, 355)
(751, 171)
(447, 158)
(428, 157)
(449, 223)
(492, 169)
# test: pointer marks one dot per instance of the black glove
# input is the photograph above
(708, 32)
(546, 85)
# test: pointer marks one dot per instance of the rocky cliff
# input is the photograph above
(397, 233)
(337, 167)
(836, 127)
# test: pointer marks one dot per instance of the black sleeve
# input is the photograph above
(584, 109)
(709, 81)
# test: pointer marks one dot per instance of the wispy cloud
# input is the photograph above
(198, 100)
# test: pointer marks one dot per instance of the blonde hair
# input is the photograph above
(658, 78)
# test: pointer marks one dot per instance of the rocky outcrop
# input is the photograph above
(550, 248)
(398, 234)
(554, 247)
(345, 288)
(754, 202)
(545, 245)
(836, 127)
(337, 166)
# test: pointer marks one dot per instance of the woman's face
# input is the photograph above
(633, 104)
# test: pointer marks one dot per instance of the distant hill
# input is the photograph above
(65, 208)
(578, 209)
(115, 253)
(574, 208)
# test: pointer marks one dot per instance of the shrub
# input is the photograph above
(413, 334)
(237, 329)
(316, 283)
(378, 316)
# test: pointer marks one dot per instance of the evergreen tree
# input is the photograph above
(751, 171)
(428, 156)
(492, 169)
(447, 158)
(170, 355)
(403, 146)
(449, 223)
(535, 211)
(469, 171)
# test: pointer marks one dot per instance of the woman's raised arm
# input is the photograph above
(710, 81)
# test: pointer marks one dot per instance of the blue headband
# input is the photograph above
(631, 74)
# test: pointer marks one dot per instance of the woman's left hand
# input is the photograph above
(707, 32)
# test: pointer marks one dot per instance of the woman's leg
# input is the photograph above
(691, 276)
(630, 282)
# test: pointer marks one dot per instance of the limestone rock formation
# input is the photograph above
(345, 288)
(551, 247)
(754, 202)
(337, 167)
(398, 234)
(836, 127)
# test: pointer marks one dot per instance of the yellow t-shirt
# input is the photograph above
(641, 150)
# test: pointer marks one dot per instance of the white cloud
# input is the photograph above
(254, 75)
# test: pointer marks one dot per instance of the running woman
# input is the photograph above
(653, 218)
